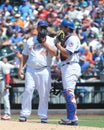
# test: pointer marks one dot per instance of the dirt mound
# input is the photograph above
(32, 125)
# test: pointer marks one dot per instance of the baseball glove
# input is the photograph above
(60, 35)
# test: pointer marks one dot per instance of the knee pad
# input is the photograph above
(70, 104)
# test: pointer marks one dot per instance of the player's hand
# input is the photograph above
(7, 86)
(21, 74)
(43, 41)
(57, 44)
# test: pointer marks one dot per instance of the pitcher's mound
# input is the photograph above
(31, 125)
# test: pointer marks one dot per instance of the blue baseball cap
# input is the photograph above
(43, 23)
(68, 24)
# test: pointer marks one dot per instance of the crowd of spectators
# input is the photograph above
(18, 23)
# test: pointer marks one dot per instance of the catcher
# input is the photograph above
(68, 45)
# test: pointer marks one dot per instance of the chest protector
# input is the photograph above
(63, 58)
(64, 46)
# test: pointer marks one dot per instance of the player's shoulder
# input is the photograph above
(30, 40)
(49, 37)
(74, 37)
(2, 63)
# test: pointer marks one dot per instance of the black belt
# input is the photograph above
(69, 63)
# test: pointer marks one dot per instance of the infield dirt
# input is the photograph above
(31, 125)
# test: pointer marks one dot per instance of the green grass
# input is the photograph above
(92, 120)
(84, 120)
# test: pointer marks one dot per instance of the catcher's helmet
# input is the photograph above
(68, 23)
(43, 23)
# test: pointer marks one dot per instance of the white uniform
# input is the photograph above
(37, 76)
(4, 93)
(38, 56)
(71, 71)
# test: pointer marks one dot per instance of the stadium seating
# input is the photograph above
(6, 52)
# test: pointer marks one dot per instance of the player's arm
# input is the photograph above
(63, 50)
(7, 81)
(7, 76)
(23, 59)
(51, 49)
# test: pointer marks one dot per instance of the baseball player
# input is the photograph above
(70, 69)
(37, 55)
(4, 90)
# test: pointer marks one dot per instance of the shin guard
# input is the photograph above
(70, 104)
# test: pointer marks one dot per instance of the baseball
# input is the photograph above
(22, 76)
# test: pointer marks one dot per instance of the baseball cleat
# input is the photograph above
(44, 120)
(66, 121)
(22, 119)
(5, 117)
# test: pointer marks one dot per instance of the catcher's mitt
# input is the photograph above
(60, 35)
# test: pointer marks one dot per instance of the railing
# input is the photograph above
(88, 95)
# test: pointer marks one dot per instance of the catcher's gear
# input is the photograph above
(68, 23)
(59, 37)
(70, 104)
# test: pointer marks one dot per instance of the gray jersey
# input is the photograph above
(2, 70)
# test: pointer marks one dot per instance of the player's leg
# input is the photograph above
(5, 96)
(69, 79)
(70, 107)
(44, 84)
(27, 95)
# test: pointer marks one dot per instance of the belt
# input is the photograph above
(69, 63)
(41, 68)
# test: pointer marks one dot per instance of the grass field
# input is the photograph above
(84, 120)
